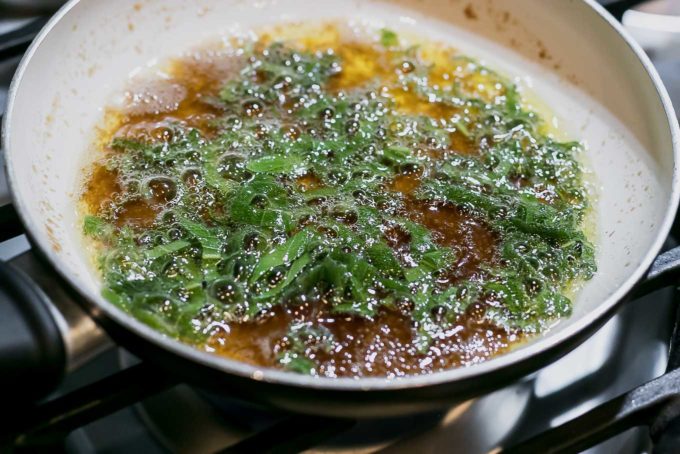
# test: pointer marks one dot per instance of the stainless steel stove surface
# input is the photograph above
(629, 350)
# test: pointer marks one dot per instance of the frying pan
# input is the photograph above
(571, 54)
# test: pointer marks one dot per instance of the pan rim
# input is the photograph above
(229, 366)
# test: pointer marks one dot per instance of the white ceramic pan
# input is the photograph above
(571, 53)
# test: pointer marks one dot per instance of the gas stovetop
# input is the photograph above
(631, 349)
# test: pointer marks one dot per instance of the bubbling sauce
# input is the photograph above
(338, 206)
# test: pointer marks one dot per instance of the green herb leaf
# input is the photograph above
(382, 257)
(282, 254)
(388, 38)
(295, 362)
(275, 164)
(95, 226)
(295, 269)
(210, 242)
(165, 249)
(397, 153)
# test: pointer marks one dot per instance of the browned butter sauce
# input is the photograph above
(383, 346)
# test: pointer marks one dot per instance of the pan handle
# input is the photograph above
(45, 334)
(51, 334)
(32, 354)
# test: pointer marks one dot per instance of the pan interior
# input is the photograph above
(567, 55)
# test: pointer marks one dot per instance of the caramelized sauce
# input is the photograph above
(386, 344)
(472, 241)
(409, 103)
(460, 144)
(150, 111)
(186, 97)
(361, 63)
(383, 346)
(101, 186)
(137, 213)
(308, 182)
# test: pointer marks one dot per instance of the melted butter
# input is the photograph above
(361, 63)
(150, 111)
(409, 103)
(184, 98)
(308, 182)
(103, 186)
(472, 241)
(100, 187)
(385, 345)
(460, 144)
(137, 213)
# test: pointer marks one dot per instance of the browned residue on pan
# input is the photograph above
(470, 12)
(51, 236)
